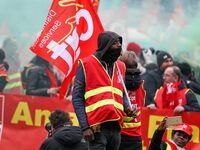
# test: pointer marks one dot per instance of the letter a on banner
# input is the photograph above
(70, 32)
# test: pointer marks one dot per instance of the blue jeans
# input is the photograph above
(108, 139)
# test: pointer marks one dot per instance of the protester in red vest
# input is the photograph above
(154, 78)
(3, 70)
(174, 94)
(98, 93)
(131, 130)
(181, 135)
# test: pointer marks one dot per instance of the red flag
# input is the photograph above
(95, 4)
(70, 32)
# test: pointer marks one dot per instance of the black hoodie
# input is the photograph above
(105, 40)
(65, 138)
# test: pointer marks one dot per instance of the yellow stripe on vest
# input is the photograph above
(14, 76)
(138, 113)
(103, 103)
(128, 119)
(102, 90)
(131, 125)
(13, 85)
(168, 146)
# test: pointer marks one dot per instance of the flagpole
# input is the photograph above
(132, 106)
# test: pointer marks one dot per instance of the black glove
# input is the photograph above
(129, 113)
(132, 79)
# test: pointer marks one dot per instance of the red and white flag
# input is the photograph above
(70, 32)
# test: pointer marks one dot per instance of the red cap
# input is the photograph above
(132, 46)
(184, 127)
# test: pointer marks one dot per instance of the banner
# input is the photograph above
(22, 120)
(1, 114)
(151, 120)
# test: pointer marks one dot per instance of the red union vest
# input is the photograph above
(131, 126)
(103, 95)
(170, 145)
(182, 97)
(3, 72)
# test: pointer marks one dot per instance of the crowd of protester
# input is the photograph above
(109, 90)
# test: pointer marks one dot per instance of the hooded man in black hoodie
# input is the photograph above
(98, 93)
(63, 136)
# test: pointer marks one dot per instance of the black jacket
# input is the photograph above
(65, 138)
(3, 77)
(156, 141)
(194, 85)
(192, 102)
(153, 80)
(38, 82)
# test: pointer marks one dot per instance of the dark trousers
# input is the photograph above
(108, 139)
(130, 143)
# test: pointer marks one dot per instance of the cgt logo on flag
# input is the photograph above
(1, 114)
(70, 32)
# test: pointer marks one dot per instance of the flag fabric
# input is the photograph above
(70, 32)
(95, 4)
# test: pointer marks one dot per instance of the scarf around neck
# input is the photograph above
(171, 95)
